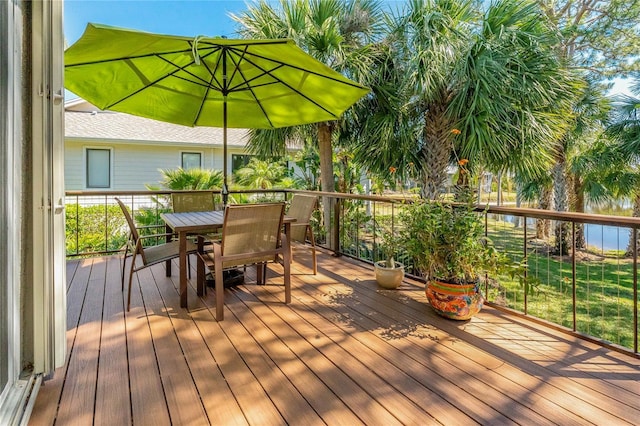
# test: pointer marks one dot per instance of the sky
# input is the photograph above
(175, 17)
(185, 17)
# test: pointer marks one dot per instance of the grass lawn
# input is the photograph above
(603, 287)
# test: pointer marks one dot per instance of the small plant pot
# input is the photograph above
(454, 301)
(389, 278)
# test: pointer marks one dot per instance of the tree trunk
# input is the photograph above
(543, 226)
(435, 152)
(578, 206)
(561, 204)
(325, 152)
(499, 190)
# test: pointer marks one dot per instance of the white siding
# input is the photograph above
(136, 164)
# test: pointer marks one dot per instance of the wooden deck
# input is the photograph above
(343, 352)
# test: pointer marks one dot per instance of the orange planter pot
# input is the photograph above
(454, 301)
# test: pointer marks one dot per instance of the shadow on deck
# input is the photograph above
(343, 352)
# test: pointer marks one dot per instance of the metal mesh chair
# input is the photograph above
(192, 201)
(251, 234)
(301, 208)
(148, 255)
(196, 202)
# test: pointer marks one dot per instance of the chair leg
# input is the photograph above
(124, 264)
(130, 281)
(287, 269)
(217, 254)
(261, 273)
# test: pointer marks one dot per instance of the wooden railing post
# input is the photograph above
(634, 245)
(335, 237)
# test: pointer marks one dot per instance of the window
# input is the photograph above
(98, 165)
(191, 160)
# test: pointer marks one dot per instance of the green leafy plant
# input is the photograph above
(389, 247)
(448, 242)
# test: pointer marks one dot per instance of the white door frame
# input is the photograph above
(32, 272)
(49, 258)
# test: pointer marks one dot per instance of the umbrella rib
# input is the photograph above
(348, 83)
(123, 58)
(220, 85)
(200, 81)
(284, 83)
(197, 117)
(237, 68)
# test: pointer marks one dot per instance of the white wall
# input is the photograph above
(135, 165)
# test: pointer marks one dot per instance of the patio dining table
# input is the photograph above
(190, 223)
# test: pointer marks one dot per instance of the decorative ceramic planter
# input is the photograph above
(454, 301)
(389, 277)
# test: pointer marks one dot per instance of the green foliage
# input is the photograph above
(334, 32)
(259, 174)
(447, 242)
(308, 161)
(195, 179)
(463, 79)
(600, 37)
(391, 244)
(604, 287)
(103, 229)
(97, 228)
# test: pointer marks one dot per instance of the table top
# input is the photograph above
(193, 221)
(196, 221)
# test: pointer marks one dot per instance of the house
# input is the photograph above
(107, 150)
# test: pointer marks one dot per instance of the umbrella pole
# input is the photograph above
(225, 189)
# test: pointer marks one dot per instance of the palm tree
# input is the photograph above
(487, 87)
(336, 33)
(260, 174)
(626, 130)
(194, 179)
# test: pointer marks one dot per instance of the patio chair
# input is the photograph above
(192, 202)
(301, 208)
(195, 202)
(251, 234)
(148, 255)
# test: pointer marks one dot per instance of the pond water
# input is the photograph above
(606, 237)
(598, 236)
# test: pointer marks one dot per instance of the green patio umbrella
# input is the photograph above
(204, 81)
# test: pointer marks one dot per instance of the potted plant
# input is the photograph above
(448, 245)
(389, 273)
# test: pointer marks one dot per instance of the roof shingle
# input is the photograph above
(109, 125)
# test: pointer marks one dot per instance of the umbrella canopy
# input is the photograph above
(205, 81)
(184, 80)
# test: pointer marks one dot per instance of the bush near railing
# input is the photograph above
(95, 224)
(96, 228)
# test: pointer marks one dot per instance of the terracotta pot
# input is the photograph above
(389, 277)
(454, 301)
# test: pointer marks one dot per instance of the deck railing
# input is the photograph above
(593, 294)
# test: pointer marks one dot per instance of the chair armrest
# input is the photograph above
(296, 224)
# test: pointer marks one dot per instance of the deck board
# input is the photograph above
(112, 371)
(343, 352)
(77, 402)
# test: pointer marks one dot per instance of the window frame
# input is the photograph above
(200, 153)
(85, 161)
